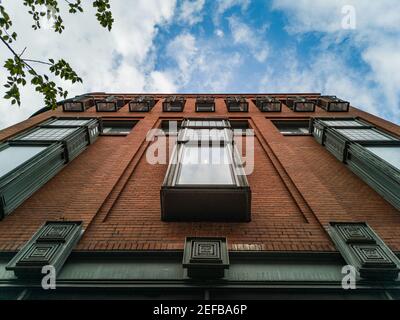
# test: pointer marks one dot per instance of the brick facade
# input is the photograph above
(297, 189)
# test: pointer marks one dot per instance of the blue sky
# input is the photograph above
(227, 46)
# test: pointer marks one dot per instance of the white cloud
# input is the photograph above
(326, 15)
(91, 51)
(183, 51)
(326, 74)
(191, 11)
(244, 35)
(200, 65)
(219, 33)
(224, 5)
(376, 35)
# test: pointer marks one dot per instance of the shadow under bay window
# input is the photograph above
(205, 180)
(300, 104)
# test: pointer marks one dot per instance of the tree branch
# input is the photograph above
(17, 56)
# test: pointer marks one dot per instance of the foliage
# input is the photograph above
(21, 69)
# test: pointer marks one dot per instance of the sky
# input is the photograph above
(347, 48)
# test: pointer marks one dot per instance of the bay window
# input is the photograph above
(205, 180)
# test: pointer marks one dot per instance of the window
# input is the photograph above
(48, 134)
(78, 104)
(237, 104)
(205, 180)
(205, 123)
(292, 127)
(333, 104)
(268, 104)
(378, 164)
(239, 124)
(171, 127)
(122, 128)
(110, 104)
(205, 166)
(370, 153)
(69, 123)
(142, 104)
(300, 104)
(30, 159)
(343, 123)
(391, 154)
(24, 168)
(174, 104)
(320, 126)
(364, 135)
(11, 157)
(205, 104)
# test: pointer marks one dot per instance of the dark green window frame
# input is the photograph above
(268, 104)
(174, 104)
(300, 104)
(78, 104)
(205, 104)
(205, 201)
(382, 176)
(110, 103)
(20, 183)
(333, 104)
(142, 104)
(237, 104)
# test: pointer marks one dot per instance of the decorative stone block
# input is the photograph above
(355, 233)
(50, 245)
(362, 248)
(206, 258)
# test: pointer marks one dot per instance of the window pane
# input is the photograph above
(14, 156)
(49, 134)
(205, 135)
(205, 166)
(292, 127)
(69, 123)
(390, 154)
(117, 130)
(118, 127)
(342, 123)
(363, 135)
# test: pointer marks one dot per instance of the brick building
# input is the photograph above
(78, 192)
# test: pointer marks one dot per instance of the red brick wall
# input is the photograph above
(297, 188)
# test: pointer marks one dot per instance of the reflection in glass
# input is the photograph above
(390, 154)
(14, 156)
(205, 166)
